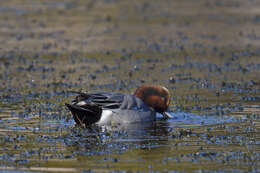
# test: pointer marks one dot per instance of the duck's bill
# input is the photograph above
(167, 115)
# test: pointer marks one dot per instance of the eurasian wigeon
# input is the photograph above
(104, 108)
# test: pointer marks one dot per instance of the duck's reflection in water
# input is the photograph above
(117, 137)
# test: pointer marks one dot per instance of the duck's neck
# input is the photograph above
(156, 97)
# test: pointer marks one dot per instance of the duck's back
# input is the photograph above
(106, 107)
(132, 109)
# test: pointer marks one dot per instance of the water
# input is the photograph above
(49, 141)
(205, 53)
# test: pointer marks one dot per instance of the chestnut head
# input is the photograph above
(155, 96)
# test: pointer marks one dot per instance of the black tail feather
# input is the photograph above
(86, 115)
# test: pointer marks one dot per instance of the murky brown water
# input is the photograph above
(205, 52)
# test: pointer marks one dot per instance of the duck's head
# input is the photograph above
(155, 96)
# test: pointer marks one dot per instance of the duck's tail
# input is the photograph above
(86, 115)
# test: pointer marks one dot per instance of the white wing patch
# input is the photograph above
(81, 103)
(106, 117)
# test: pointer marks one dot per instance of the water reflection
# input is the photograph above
(120, 137)
(141, 134)
(184, 119)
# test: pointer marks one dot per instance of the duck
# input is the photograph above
(106, 108)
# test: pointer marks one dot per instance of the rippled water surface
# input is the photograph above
(205, 52)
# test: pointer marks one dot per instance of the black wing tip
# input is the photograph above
(69, 106)
(85, 116)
